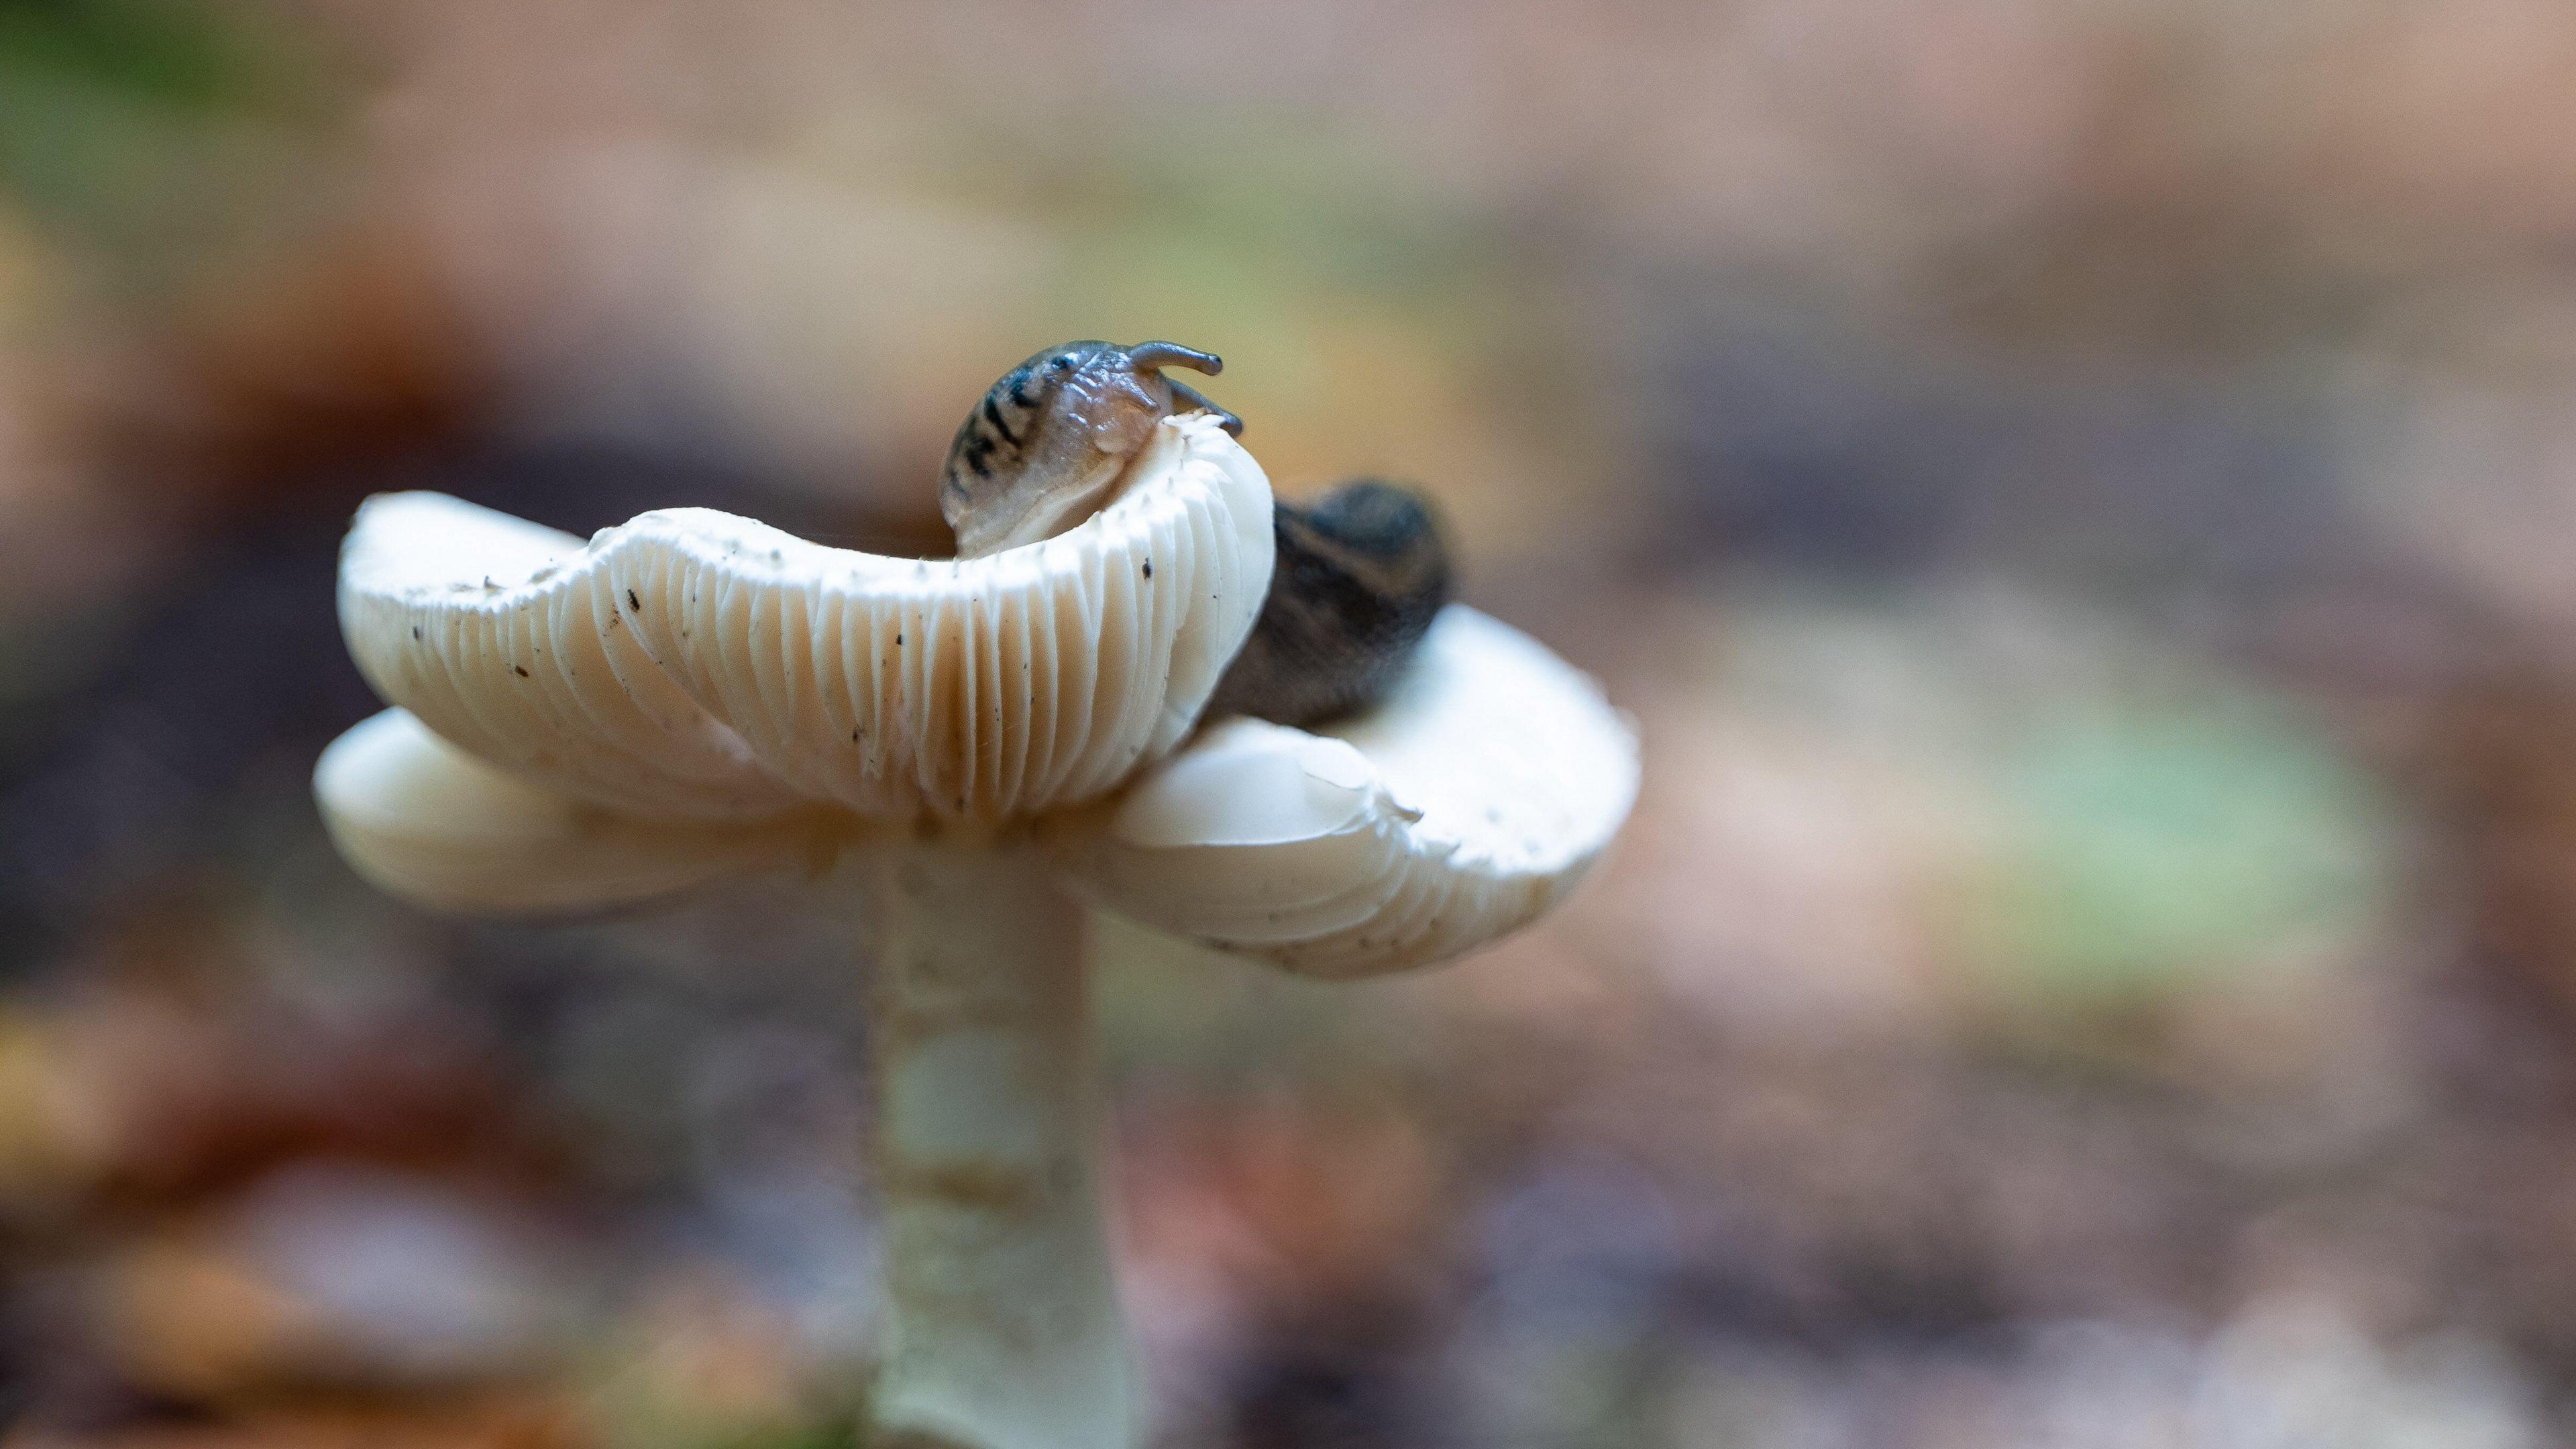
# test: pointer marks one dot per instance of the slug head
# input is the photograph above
(1046, 446)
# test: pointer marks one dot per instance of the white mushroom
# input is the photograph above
(962, 749)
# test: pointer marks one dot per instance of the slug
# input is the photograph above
(1361, 572)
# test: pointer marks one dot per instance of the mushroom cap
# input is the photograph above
(1456, 809)
(694, 695)
(693, 665)
(433, 825)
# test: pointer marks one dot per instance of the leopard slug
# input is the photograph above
(1361, 572)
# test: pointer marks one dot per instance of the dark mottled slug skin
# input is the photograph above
(1360, 574)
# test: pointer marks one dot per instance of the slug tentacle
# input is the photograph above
(1172, 354)
(1233, 425)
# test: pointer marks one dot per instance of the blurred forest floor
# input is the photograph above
(2078, 499)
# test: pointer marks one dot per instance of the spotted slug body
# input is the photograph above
(1360, 574)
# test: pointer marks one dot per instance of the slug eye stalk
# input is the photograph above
(1172, 354)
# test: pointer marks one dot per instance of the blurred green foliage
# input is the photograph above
(134, 124)
(168, 53)
(2148, 849)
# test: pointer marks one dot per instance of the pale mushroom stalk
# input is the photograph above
(1002, 1323)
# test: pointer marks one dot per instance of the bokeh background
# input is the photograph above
(2080, 498)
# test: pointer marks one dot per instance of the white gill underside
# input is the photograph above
(1453, 813)
(696, 665)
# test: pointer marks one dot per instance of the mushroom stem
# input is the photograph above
(1003, 1329)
